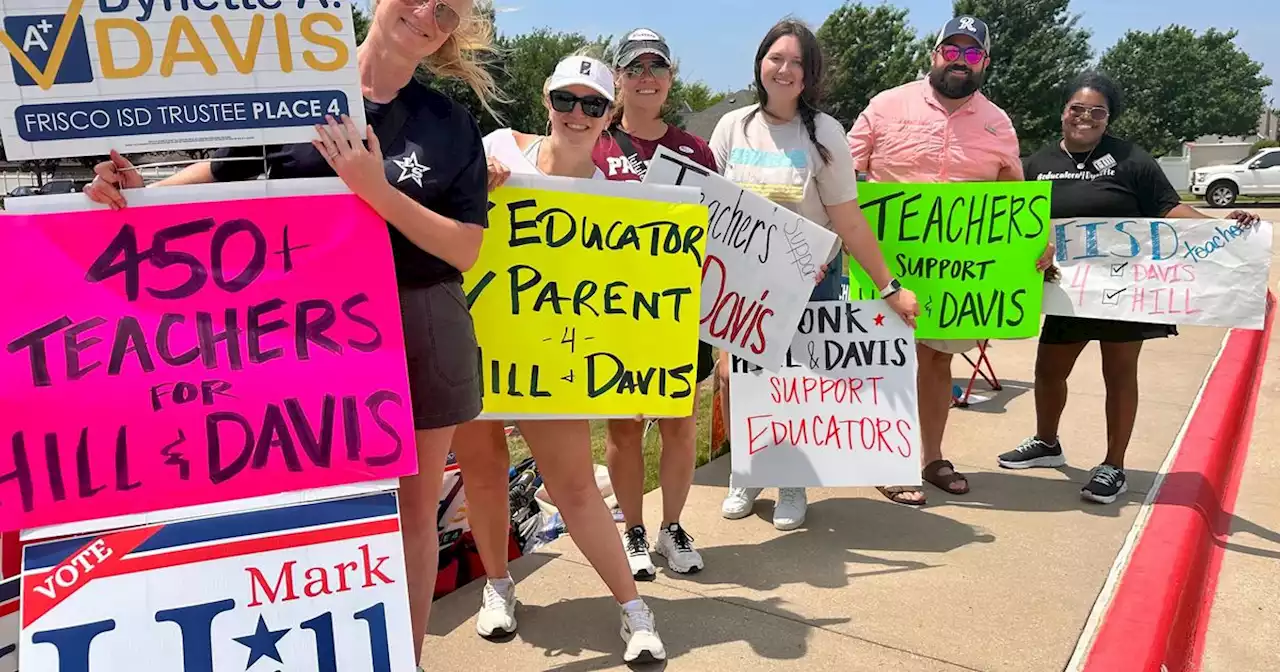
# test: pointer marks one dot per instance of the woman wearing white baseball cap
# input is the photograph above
(578, 97)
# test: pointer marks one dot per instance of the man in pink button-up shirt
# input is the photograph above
(939, 129)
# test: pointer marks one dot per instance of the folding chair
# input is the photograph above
(989, 375)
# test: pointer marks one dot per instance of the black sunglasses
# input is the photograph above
(592, 106)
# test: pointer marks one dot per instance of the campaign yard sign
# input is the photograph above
(317, 587)
(1207, 272)
(585, 299)
(967, 250)
(168, 355)
(10, 628)
(840, 412)
(761, 266)
(88, 76)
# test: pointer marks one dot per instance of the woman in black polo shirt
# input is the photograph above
(1096, 175)
(424, 171)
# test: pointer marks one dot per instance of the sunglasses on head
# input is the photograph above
(657, 70)
(592, 106)
(446, 17)
(972, 55)
(1095, 113)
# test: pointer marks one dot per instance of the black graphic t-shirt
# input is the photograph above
(1119, 179)
(437, 159)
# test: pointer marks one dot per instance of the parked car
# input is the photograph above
(1257, 175)
(63, 186)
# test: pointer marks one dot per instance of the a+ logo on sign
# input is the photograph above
(44, 26)
(410, 169)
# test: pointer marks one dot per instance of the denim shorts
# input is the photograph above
(829, 288)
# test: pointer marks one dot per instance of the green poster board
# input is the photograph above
(968, 251)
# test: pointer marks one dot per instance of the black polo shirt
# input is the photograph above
(437, 159)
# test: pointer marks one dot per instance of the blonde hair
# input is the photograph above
(462, 55)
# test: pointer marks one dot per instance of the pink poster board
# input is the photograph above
(174, 355)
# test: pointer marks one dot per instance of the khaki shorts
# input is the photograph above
(949, 346)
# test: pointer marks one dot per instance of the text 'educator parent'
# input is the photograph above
(939, 129)
(1095, 174)
(578, 96)
(787, 150)
(424, 173)
(645, 71)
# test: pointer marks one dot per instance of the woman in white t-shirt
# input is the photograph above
(579, 97)
(786, 150)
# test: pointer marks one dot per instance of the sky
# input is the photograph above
(715, 40)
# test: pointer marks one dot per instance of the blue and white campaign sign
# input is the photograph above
(1205, 272)
(89, 76)
(317, 587)
(9, 624)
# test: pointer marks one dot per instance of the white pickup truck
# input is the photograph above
(1257, 175)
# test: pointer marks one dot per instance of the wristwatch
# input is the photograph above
(893, 288)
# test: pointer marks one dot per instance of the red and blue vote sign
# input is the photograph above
(317, 587)
(9, 627)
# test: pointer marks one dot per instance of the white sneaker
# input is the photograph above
(636, 543)
(640, 632)
(497, 617)
(789, 512)
(675, 545)
(737, 504)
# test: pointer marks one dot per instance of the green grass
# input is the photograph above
(652, 441)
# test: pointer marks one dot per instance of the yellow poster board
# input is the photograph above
(586, 299)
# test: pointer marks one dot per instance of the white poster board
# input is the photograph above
(840, 412)
(319, 586)
(761, 262)
(85, 77)
(1206, 272)
(10, 628)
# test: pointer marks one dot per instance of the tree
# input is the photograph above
(697, 96)
(1179, 87)
(1036, 49)
(868, 50)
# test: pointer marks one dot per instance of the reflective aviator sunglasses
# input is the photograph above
(446, 17)
(592, 106)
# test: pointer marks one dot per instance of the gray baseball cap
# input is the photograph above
(639, 42)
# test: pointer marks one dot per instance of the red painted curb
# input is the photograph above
(1157, 617)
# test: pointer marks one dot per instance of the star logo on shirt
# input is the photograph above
(410, 169)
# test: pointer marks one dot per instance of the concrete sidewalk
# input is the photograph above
(1003, 578)
(1244, 624)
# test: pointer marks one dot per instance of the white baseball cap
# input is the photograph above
(585, 71)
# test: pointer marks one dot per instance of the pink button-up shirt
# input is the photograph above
(905, 135)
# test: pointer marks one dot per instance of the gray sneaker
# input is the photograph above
(1033, 453)
(1105, 484)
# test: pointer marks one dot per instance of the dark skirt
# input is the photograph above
(1062, 330)
(443, 355)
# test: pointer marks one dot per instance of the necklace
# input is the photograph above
(1079, 165)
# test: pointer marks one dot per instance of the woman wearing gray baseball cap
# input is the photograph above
(645, 72)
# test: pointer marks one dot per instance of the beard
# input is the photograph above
(950, 88)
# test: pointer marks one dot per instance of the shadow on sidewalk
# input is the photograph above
(591, 626)
(837, 532)
(998, 403)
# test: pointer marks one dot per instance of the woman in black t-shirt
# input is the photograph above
(1096, 175)
(424, 172)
